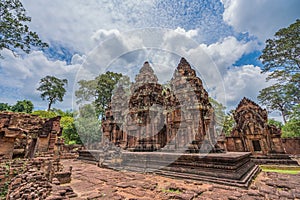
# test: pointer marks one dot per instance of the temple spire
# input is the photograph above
(146, 75)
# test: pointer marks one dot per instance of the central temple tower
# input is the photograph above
(174, 117)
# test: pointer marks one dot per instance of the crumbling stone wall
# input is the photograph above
(39, 178)
(22, 135)
(291, 145)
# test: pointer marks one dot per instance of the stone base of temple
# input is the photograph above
(235, 169)
(231, 168)
(89, 155)
(273, 159)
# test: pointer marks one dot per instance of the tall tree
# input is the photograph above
(281, 54)
(275, 98)
(53, 89)
(281, 59)
(14, 31)
(23, 106)
(99, 90)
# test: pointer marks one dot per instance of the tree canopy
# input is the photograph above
(219, 114)
(88, 125)
(23, 106)
(281, 59)
(4, 107)
(53, 89)
(281, 54)
(14, 31)
(229, 123)
(274, 98)
(98, 90)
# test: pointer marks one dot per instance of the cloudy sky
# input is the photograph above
(221, 38)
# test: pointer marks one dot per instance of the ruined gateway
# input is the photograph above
(252, 133)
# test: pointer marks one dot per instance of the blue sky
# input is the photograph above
(231, 32)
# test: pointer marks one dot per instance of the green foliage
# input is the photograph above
(14, 31)
(45, 114)
(280, 169)
(171, 190)
(88, 125)
(229, 123)
(291, 129)
(4, 190)
(275, 97)
(219, 112)
(99, 90)
(5, 107)
(275, 123)
(281, 54)
(69, 132)
(66, 113)
(295, 112)
(281, 58)
(53, 89)
(23, 106)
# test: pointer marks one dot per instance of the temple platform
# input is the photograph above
(274, 159)
(231, 168)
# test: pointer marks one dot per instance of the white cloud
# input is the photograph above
(228, 51)
(77, 59)
(23, 75)
(129, 50)
(261, 18)
(244, 81)
(189, 33)
(126, 52)
(102, 34)
(76, 24)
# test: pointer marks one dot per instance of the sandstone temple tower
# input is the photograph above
(151, 117)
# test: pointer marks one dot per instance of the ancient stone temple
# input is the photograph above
(168, 129)
(252, 131)
(22, 135)
(178, 117)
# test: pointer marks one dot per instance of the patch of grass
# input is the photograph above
(171, 191)
(4, 190)
(280, 169)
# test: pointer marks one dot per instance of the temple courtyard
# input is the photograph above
(163, 145)
(92, 182)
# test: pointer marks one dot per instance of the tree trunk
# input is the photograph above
(49, 105)
(283, 116)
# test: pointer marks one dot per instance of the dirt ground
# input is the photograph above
(92, 182)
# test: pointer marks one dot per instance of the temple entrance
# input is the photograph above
(31, 150)
(256, 145)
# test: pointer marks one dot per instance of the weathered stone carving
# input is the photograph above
(252, 131)
(22, 135)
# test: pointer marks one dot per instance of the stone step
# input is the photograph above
(275, 161)
(244, 182)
